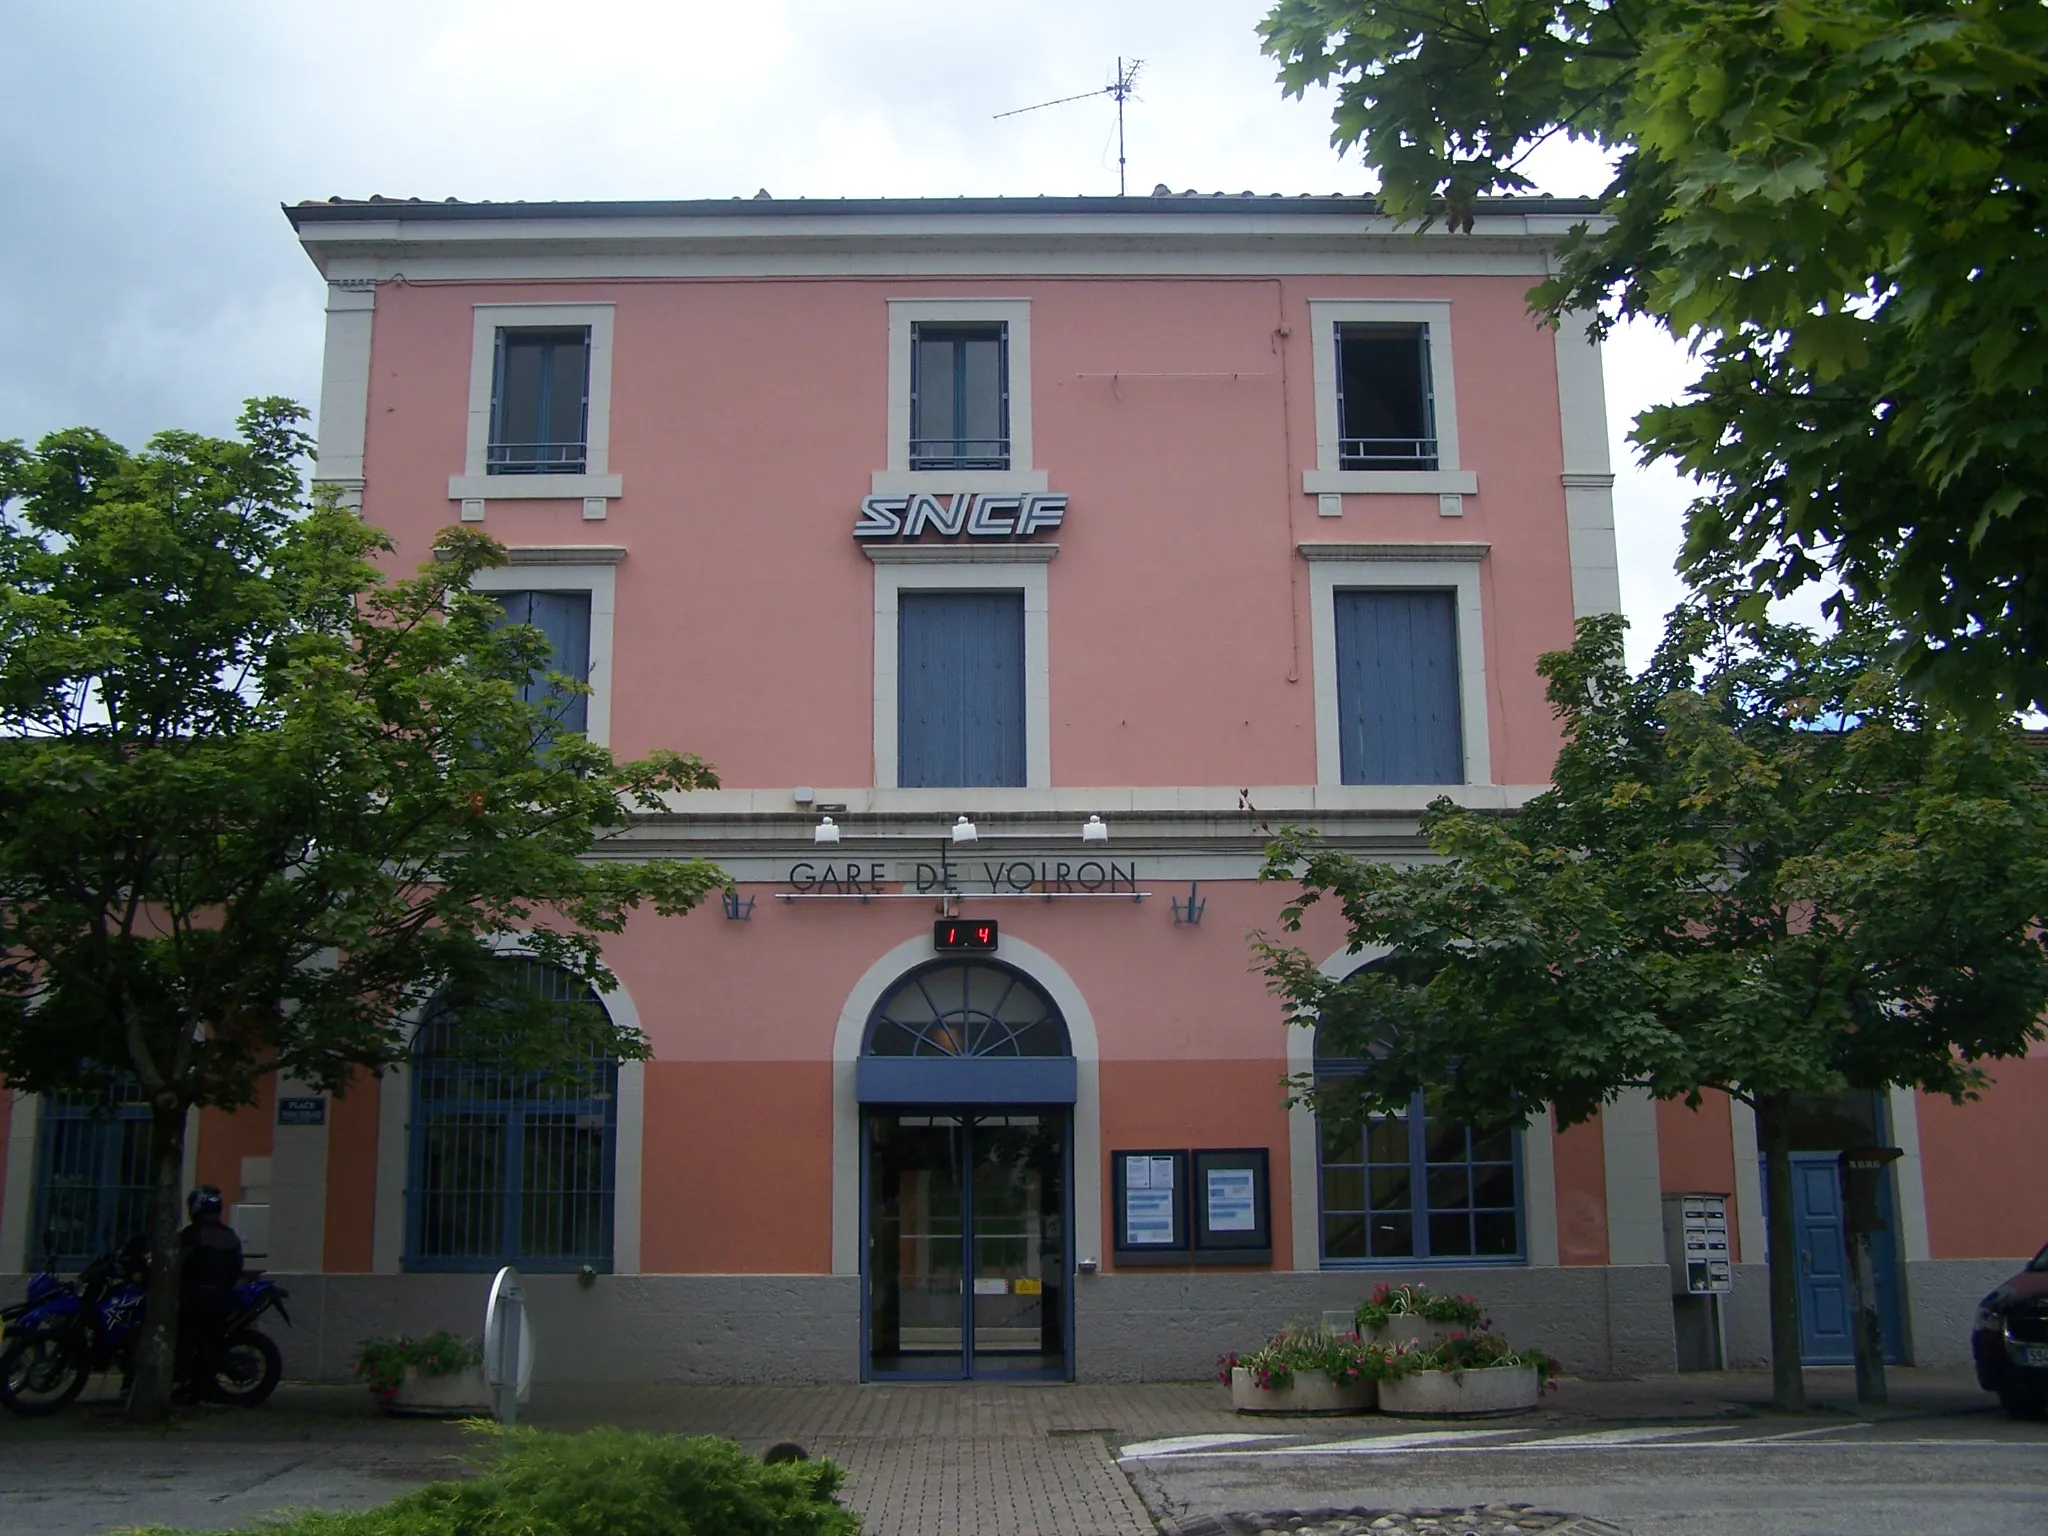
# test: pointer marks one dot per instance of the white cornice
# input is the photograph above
(566, 554)
(1442, 551)
(960, 554)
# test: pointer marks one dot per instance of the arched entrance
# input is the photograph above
(967, 1083)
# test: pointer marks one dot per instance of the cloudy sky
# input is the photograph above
(147, 278)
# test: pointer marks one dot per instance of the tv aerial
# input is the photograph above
(1122, 90)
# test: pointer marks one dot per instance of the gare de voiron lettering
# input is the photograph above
(975, 514)
(868, 877)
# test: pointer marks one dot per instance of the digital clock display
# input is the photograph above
(959, 935)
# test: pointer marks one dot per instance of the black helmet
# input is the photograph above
(203, 1201)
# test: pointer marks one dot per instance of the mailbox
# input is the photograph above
(1696, 1244)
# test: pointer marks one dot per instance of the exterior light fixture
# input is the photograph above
(1094, 831)
(825, 832)
(964, 831)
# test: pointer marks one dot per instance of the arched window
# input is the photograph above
(961, 1008)
(1414, 1185)
(508, 1167)
(92, 1174)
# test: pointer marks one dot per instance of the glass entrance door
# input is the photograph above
(966, 1271)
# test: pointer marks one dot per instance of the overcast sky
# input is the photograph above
(147, 278)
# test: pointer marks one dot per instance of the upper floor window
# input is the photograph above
(960, 716)
(959, 397)
(540, 402)
(1386, 407)
(1399, 714)
(564, 617)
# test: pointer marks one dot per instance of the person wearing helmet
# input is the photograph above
(211, 1269)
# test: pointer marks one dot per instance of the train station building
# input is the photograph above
(1018, 564)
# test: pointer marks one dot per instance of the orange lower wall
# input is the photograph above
(226, 1137)
(1985, 1167)
(1579, 1159)
(352, 1177)
(737, 1168)
(1696, 1150)
(1198, 1104)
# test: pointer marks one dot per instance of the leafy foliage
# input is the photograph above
(1839, 203)
(382, 1363)
(259, 803)
(1468, 1352)
(1307, 1347)
(1764, 867)
(1409, 1300)
(607, 1482)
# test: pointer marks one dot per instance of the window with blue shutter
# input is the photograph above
(564, 617)
(960, 689)
(1397, 687)
(540, 403)
(959, 397)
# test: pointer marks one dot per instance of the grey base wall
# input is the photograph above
(1131, 1326)
(1154, 1326)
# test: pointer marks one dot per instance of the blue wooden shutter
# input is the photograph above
(1397, 688)
(960, 689)
(564, 617)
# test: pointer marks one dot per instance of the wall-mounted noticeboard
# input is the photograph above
(1150, 1207)
(1231, 1195)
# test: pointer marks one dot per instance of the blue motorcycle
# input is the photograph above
(66, 1330)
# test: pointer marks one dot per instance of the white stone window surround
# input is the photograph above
(1328, 477)
(899, 478)
(595, 484)
(591, 568)
(965, 568)
(1340, 567)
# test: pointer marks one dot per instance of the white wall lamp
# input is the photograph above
(1093, 831)
(826, 831)
(964, 831)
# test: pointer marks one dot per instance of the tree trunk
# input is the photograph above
(156, 1350)
(1774, 1134)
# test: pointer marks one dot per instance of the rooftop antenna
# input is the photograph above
(1122, 90)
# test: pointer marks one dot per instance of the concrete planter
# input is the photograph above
(457, 1392)
(1309, 1392)
(1462, 1394)
(1413, 1330)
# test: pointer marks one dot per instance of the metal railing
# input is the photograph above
(92, 1175)
(537, 458)
(959, 453)
(1386, 453)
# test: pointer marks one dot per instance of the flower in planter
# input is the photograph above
(1469, 1352)
(1389, 1301)
(381, 1363)
(1306, 1347)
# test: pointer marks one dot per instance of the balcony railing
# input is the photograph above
(959, 453)
(1386, 453)
(537, 458)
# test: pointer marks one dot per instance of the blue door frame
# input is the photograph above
(1826, 1301)
(965, 1372)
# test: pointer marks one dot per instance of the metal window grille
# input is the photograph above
(967, 1008)
(959, 397)
(540, 403)
(1386, 398)
(507, 1167)
(92, 1175)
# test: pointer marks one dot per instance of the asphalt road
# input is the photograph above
(1977, 1475)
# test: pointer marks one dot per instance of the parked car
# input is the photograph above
(2010, 1341)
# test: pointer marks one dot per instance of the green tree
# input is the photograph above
(259, 803)
(1764, 867)
(1839, 204)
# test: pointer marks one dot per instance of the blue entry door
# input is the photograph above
(1826, 1294)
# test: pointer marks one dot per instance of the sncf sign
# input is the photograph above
(976, 515)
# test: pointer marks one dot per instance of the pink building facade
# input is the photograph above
(1017, 564)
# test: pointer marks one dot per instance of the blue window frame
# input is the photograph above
(506, 1167)
(960, 689)
(1415, 1186)
(959, 396)
(1398, 711)
(1386, 403)
(540, 402)
(564, 617)
(92, 1175)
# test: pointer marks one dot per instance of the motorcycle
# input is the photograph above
(66, 1330)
